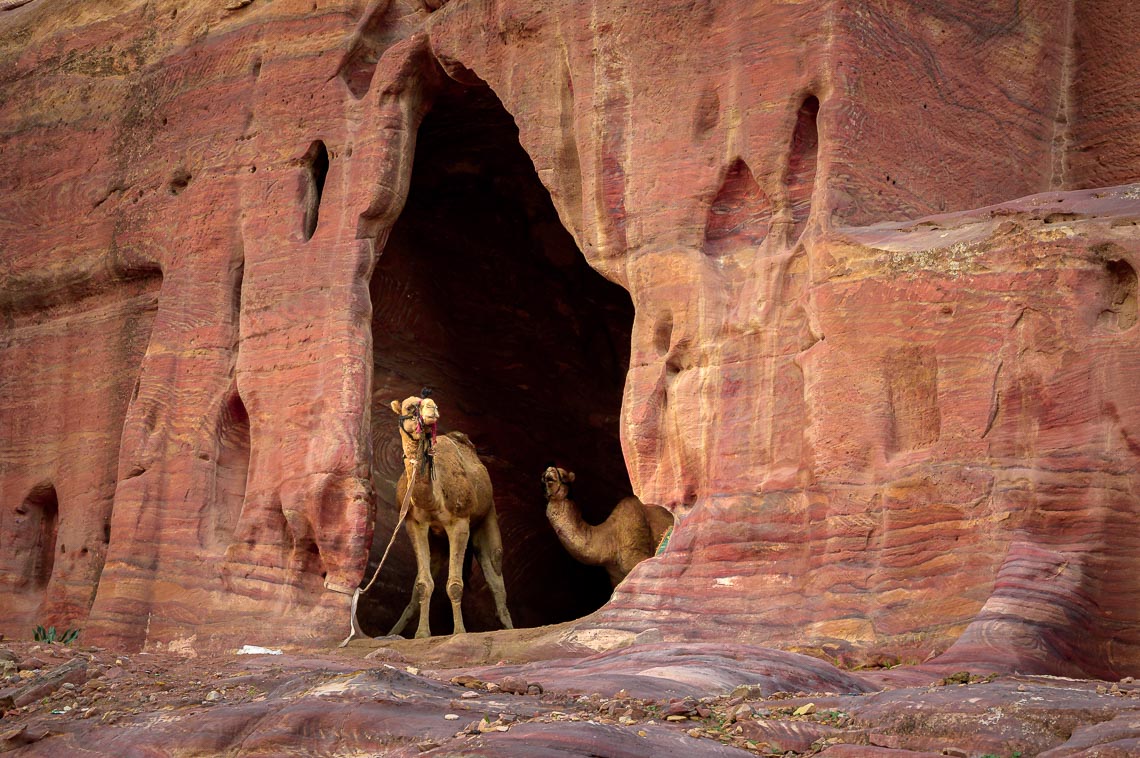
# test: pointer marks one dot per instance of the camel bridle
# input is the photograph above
(425, 445)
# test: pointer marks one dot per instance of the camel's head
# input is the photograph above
(417, 415)
(556, 482)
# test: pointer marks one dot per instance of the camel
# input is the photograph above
(630, 534)
(450, 494)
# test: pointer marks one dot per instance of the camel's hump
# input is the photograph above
(461, 439)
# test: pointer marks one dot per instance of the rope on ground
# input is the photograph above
(354, 629)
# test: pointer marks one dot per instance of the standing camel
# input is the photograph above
(450, 494)
(630, 534)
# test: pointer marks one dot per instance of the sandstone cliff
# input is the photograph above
(869, 328)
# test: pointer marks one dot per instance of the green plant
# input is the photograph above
(51, 637)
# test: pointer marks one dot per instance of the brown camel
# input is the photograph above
(451, 494)
(630, 534)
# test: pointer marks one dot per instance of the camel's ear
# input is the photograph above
(569, 476)
(396, 407)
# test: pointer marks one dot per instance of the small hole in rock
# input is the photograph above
(180, 181)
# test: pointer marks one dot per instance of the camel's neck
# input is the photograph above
(415, 453)
(582, 540)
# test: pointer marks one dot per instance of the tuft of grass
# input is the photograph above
(51, 636)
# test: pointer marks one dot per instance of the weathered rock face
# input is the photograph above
(233, 236)
(965, 400)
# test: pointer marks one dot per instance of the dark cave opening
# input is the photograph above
(482, 295)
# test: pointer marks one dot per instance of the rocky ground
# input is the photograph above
(410, 698)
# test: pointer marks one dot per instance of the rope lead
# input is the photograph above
(354, 629)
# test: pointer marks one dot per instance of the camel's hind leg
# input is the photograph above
(407, 614)
(489, 549)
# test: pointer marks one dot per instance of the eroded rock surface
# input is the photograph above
(319, 703)
(875, 264)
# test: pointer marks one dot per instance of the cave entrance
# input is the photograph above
(482, 295)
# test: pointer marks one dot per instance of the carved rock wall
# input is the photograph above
(837, 438)
(967, 406)
(883, 431)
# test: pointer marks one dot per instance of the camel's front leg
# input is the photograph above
(414, 603)
(424, 583)
(457, 534)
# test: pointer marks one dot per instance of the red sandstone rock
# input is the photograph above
(874, 751)
(230, 234)
(72, 672)
(1000, 718)
(561, 739)
(782, 736)
(666, 670)
(164, 704)
(1115, 736)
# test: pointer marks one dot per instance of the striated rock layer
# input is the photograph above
(232, 235)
